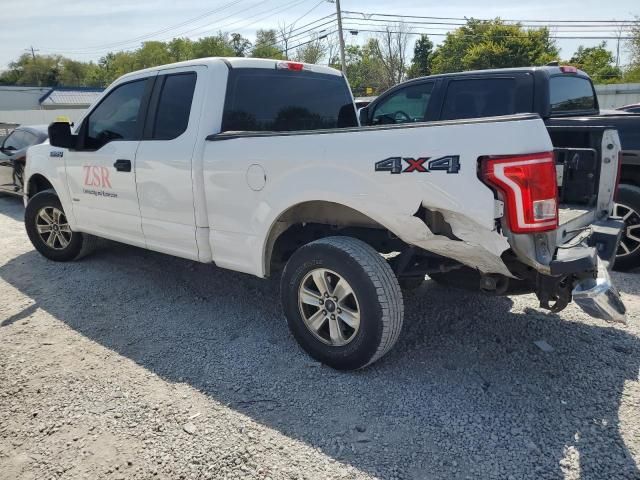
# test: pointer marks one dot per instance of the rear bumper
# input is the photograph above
(587, 264)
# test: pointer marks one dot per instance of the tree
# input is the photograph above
(267, 45)
(240, 45)
(180, 49)
(391, 49)
(482, 44)
(285, 31)
(422, 56)
(214, 46)
(313, 52)
(364, 68)
(598, 62)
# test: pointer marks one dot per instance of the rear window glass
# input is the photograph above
(481, 97)
(570, 94)
(280, 100)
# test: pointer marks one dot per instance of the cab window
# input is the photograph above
(117, 117)
(481, 97)
(174, 106)
(406, 105)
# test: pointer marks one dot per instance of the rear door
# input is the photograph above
(164, 161)
(101, 173)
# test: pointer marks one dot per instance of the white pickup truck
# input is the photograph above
(260, 166)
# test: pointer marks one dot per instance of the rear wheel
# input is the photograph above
(342, 301)
(49, 231)
(628, 208)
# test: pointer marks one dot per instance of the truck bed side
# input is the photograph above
(247, 195)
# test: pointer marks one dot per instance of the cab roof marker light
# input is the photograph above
(294, 66)
(568, 69)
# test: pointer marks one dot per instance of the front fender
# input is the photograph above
(41, 163)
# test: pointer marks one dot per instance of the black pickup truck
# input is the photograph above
(562, 95)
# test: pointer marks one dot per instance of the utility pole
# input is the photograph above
(33, 56)
(33, 52)
(341, 38)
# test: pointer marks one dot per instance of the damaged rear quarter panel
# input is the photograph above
(340, 167)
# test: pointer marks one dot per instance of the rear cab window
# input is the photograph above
(571, 94)
(486, 97)
(261, 99)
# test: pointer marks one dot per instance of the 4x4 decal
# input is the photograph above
(394, 165)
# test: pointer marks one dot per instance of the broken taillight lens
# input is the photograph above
(529, 189)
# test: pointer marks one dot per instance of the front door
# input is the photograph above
(101, 172)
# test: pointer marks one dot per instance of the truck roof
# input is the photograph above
(238, 62)
(551, 70)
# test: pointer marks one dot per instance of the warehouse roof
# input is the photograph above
(70, 97)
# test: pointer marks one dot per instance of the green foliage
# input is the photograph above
(482, 44)
(422, 57)
(598, 62)
(312, 52)
(267, 45)
(364, 68)
(56, 70)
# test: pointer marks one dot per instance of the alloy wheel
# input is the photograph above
(53, 228)
(329, 307)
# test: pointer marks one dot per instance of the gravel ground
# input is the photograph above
(132, 364)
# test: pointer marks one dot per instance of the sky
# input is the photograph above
(87, 29)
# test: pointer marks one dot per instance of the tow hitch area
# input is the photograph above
(599, 297)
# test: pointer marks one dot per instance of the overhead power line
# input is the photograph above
(353, 26)
(139, 38)
(613, 22)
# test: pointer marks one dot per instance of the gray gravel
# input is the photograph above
(132, 364)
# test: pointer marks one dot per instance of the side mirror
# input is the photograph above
(363, 116)
(60, 135)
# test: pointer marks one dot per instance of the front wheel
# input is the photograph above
(49, 231)
(342, 302)
(628, 208)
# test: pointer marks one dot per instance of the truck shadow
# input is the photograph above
(465, 392)
(12, 206)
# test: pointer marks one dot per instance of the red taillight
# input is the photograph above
(618, 176)
(529, 189)
(295, 66)
(568, 69)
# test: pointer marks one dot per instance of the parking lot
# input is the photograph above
(132, 364)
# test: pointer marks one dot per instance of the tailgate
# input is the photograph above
(587, 160)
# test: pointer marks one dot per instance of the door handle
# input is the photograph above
(123, 165)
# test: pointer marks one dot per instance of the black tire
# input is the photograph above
(628, 198)
(78, 245)
(373, 284)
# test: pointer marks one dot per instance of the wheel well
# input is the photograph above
(38, 183)
(310, 221)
